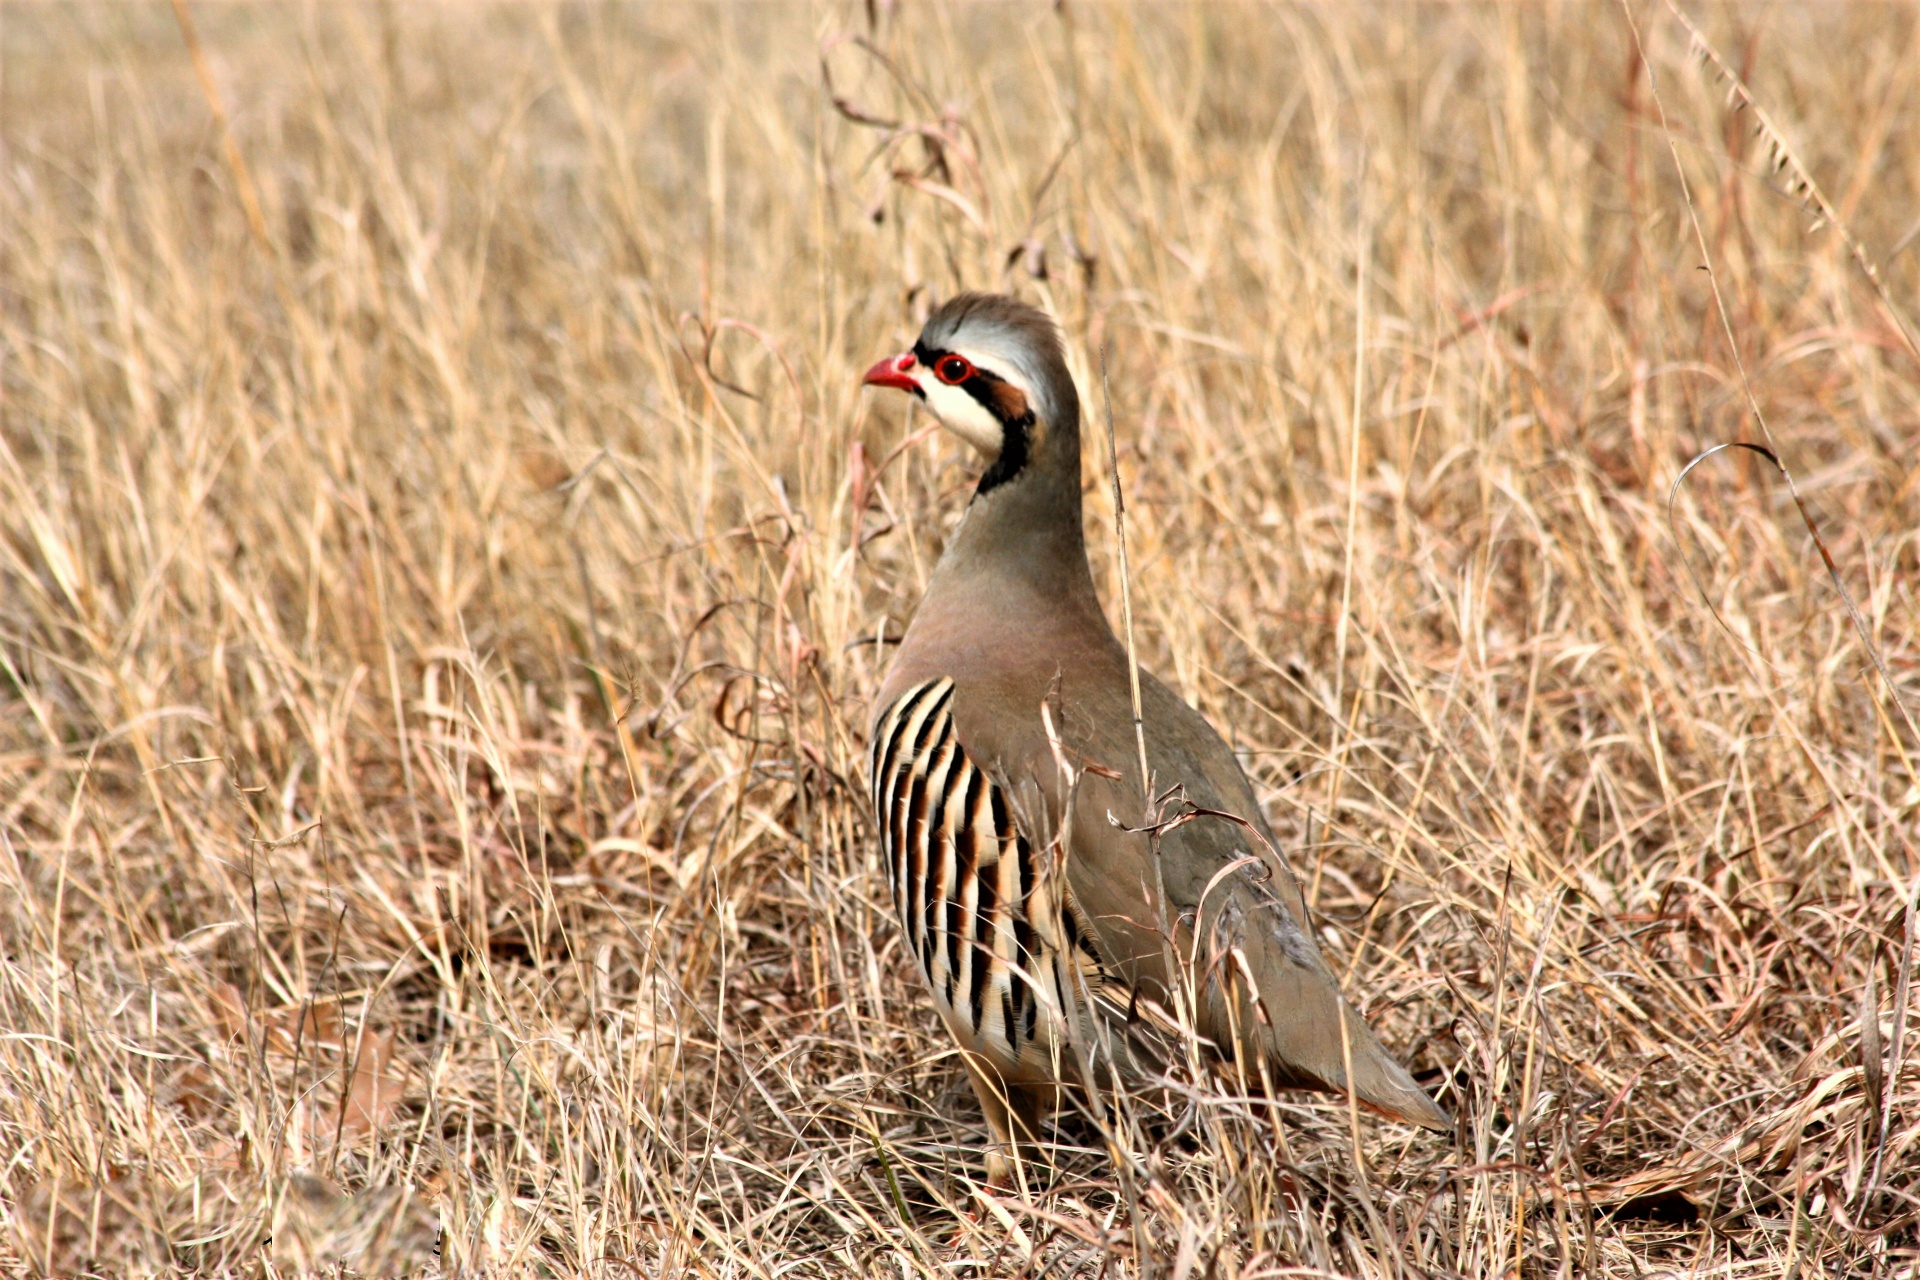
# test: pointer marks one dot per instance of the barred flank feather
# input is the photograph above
(996, 944)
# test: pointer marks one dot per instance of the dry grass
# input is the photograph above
(431, 678)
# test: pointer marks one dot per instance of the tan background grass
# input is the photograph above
(431, 689)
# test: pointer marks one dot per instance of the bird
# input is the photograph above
(1047, 915)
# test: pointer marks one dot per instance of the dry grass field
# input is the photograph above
(445, 557)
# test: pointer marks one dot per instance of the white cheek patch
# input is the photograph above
(966, 417)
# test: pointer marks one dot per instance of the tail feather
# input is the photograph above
(1295, 1017)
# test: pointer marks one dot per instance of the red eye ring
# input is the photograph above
(952, 369)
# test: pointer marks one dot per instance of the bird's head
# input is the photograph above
(992, 370)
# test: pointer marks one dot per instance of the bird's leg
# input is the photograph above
(1012, 1113)
(1004, 1155)
(1025, 1104)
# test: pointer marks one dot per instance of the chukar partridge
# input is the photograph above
(1027, 890)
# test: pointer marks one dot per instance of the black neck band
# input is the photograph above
(1016, 439)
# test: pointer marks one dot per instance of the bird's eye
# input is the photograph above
(953, 369)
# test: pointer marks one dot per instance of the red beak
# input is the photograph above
(892, 372)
